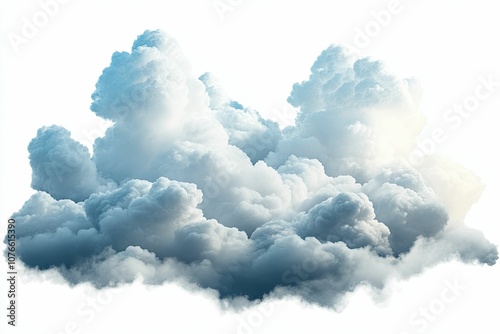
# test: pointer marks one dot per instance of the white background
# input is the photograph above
(257, 49)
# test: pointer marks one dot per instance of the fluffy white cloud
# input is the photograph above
(347, 217)
(55, 233)
(407, 206)
(61, 166)
(246, 129)
(189, 185)
(354, 116)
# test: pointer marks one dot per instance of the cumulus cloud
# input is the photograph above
(189, 185)
(61, 166)
(354, 116)
(246, 129)
(55, 233)
(407, 206)
(347, 217)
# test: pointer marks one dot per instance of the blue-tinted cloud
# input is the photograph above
(189, 185)
(61, 166)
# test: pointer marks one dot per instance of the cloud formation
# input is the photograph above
(189, 185)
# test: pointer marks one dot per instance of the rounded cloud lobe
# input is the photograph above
(189, 185)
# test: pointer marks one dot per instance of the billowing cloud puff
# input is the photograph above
(347, 217)
(55, 233)
(61, 166)
(189, 185)
(354, 116)
(407, 206)
(245, 127)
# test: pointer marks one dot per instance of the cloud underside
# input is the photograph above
(189, 185)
